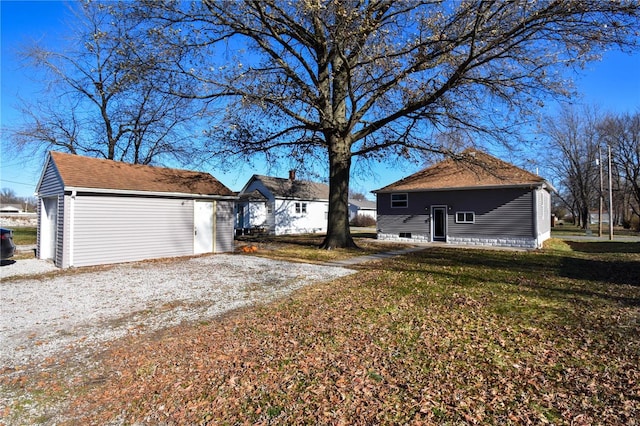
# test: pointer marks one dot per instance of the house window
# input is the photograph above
(465, 217)
(399, 200)
(405, 235)
(301, 208)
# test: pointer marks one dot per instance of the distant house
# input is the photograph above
(362, 207)
(594, 217)
(282, 206)
(93, 211)
(479, 201)
(11, 208)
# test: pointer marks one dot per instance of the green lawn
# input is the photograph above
(442, 336)
(569, 230)
(23, 236)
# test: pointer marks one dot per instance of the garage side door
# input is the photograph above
(203, 227)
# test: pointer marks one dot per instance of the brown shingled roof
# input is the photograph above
(472, 169)
(86, 172)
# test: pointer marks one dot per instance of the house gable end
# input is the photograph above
(50, 182)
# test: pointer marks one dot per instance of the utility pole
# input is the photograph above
(610, 196)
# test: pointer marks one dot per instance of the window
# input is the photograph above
(399, 200)
(405, 235)
(465, 217)
(301, 208)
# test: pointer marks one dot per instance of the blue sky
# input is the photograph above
(613, 84)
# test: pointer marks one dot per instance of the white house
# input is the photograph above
(282, 206)
(10, 208)
(93, 211)
(363, 208)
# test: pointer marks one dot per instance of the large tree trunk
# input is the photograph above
(338, 232)
(586, 219)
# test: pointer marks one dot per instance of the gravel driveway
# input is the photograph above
(79, 310)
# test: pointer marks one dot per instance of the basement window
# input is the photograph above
(465, 217)
(405, 235)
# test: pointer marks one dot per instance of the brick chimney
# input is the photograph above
(292, 175)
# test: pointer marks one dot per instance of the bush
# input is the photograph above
(363, 221)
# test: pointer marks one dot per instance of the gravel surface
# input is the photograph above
(75, 311)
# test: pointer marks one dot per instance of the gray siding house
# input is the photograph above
(475, 199)
(93, 211)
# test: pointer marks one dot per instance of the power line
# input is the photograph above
(18, 183)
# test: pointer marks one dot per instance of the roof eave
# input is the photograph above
(467, 188)
(280, 197)
(153, 193)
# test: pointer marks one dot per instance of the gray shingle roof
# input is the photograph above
(298, 189)
(363, 204)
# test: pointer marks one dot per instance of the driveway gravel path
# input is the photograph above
(77, 311)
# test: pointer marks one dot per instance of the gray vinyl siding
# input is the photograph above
(395, 224)
(498, 212)
(224, 226)
(111, 229)
(50, 184)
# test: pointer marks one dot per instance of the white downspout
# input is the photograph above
(72, 221)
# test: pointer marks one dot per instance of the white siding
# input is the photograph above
(290, 222)
(110, 229)
(224, 227)
(543, 216)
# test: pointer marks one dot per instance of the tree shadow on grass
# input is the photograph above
(608, 272)
(604, 246)
(533, 271)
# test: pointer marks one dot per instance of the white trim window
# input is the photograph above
(301, 208)
(400, 200)
(465, 217)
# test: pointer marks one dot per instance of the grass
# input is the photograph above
(305, 247)
(24, 235)
(442, 336)
(572, 230)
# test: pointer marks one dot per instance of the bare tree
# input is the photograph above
(573, 140)
(345, 79)
(622, 132)
(102, 99)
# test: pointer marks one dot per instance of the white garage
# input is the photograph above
(93, 211)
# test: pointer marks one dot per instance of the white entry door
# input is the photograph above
(202, 227)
